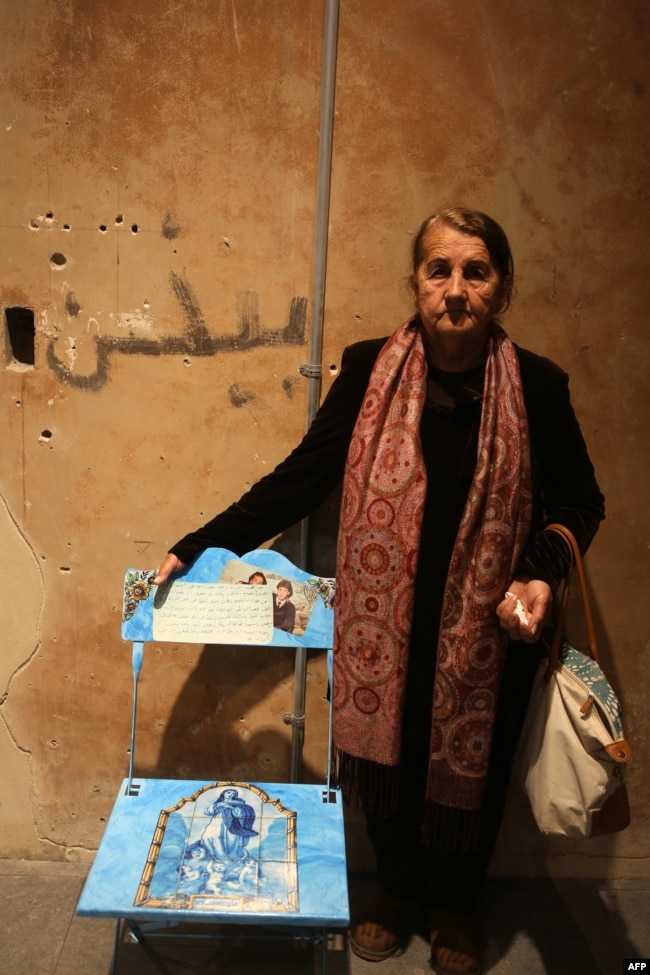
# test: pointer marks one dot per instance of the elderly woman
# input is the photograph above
(456, 447)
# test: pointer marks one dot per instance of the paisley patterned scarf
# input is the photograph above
(384, 493)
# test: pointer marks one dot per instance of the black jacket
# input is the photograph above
(564, 483)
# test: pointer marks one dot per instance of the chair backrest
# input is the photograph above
(224, 599)
(261, 599)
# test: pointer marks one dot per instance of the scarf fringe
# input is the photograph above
(449, 830)
(375, 786)
(377, 789)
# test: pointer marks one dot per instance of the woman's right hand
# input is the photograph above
(171, 564)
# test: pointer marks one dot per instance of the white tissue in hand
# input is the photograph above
(521, 612)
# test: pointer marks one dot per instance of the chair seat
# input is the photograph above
(169, 854)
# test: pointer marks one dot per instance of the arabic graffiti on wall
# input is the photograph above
(196, 339)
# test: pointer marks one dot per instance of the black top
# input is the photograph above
(564, 484)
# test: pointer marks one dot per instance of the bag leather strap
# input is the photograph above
(619, 751)
(576, 562)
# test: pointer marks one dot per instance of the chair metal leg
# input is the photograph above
(116, 945)
(140, 938)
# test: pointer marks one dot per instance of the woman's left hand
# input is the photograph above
(523, 610)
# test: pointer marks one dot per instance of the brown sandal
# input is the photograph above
(456, 944)
(382, 927)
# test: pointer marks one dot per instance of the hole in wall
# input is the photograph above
(134, 228)
(45, 437)
(333, 369)
(103, 228)
(58, 260)
(119, 219)
(20, 336)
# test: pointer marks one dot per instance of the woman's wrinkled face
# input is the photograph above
(456, 288)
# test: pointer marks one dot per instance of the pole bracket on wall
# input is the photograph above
(295, 722)
(312, 370)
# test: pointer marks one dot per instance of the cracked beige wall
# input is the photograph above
(157, 194)
(21, 585)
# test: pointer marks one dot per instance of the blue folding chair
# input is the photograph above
(270, 856)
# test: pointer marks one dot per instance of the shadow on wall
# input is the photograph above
(207, 734)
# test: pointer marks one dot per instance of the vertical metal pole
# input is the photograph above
(314, 369)
(319, 269)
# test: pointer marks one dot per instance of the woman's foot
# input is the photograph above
(456, 944)
(382, 926)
